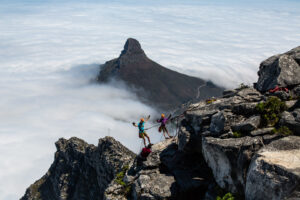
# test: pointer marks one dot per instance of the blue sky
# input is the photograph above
(50, 50)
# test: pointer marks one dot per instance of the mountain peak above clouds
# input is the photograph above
(154, 83)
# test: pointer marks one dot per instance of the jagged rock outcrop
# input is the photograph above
(282, 70)
(231, 135)
(80, 170)
(154, 83)
(166, 174)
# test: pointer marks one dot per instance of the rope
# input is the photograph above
(152, 126)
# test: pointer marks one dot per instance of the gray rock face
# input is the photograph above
(146, 179)
(246, 109)
(281, 95)
(217, 123)
(249, 94)
(282, 70)
(80, 170)
(274, 172)
(166, 174)
(248, 125)
(296, 91)
(184, 137)
(150, 182)
(153, 185)
(229, 160)
(260, 132)
(291, 120)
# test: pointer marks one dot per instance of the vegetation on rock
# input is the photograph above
(270, 110)
(237, 134)
(120, 181)
(227, 196)
(283, 130)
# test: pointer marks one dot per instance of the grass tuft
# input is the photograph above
(283, 130)
(237, 134)
(227, 196)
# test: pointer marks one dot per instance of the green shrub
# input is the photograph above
(120, 176)
(227, 196)
(237, 134)
(270, 110)
(126, 188)
(283, 130)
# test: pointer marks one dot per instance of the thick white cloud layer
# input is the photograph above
(45, 87)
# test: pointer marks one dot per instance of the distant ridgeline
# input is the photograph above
(243, 145)
(153, 83)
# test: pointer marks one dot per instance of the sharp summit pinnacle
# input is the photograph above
(132, 47)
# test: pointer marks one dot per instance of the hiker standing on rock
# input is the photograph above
(142, 133)
(162, 127)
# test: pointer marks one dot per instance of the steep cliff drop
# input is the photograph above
(155, 84)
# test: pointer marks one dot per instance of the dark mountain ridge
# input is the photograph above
(156, 85)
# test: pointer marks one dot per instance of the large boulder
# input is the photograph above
(248, 125)
(274, 172)
(282, 70)
(229, 160)
(246, 109)
(151, 184)
(222, 122)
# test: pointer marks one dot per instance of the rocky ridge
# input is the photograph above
(80, 170)
(244, 144)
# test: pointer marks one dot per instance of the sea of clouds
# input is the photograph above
(50, 52)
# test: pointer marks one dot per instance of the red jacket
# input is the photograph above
(145, 152)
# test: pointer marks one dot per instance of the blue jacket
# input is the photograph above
(141, 127)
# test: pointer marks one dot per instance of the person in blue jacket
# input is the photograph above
(142, 132)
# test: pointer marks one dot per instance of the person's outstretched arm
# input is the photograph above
(147, 118)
